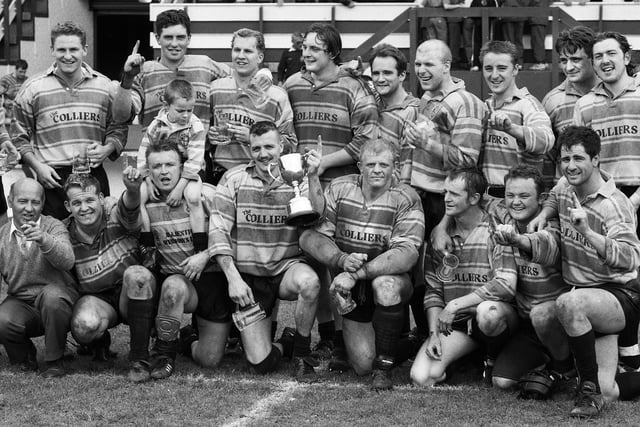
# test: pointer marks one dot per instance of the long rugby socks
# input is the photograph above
(417, 307)
(583, 348)
(327, 330)
(629, 385)
(387, 326)
(301, 345)
(495, 344)
(140, 314)
(562, 366)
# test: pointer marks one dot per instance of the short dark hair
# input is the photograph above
(177, 89)
(526, 172)
(21, 63)
(574, 39)
(171, 17)
(377, 146)
(329, 35)
(580, 135)
(82, 181)
(475, 181)
(245, 33)
(619, 37)
(161, 148)
(260, 128)
(500, 46)
(387, 51)
(68, 28)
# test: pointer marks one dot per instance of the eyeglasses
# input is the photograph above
(314, 49)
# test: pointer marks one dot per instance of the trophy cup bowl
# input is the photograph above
(300, 211)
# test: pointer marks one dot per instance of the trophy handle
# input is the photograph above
(271, 174)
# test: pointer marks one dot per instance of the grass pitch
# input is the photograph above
(98, 394)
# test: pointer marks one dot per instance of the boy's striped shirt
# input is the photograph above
(343, 112)
(148, 87)
(395, 219)
(457, 115)
(248, 223)
(100, 265)
(610, 214)
(501, 151)
(615, 119)
(486, 269)
(231, 103)
(55, 122)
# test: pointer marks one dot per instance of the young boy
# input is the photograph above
(176, 124)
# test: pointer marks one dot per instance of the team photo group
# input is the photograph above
(436, 231)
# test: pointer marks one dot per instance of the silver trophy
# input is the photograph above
(299, 209)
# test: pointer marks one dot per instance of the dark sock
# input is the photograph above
(631, 361)
(338, 339)
(629, 385)
(562, 366)
(584, 352)
(301, 345)
(140, 314)
(274, 329)
(405, 350)
(200, 242)
(387, 326)
(495, 344)
(146, 239)
(103, 342)
(327, 330)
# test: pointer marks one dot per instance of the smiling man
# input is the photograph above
(35, 258)
(143, 83)
(370, 255)
(574, 48)
(64, 111)
(518, 130)
(232, 102)
(600, 255)
(258, 252)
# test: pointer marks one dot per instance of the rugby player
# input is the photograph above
(258, 252)
(389, 233)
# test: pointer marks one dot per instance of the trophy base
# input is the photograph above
(300, 212)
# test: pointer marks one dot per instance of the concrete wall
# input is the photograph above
(38, 52)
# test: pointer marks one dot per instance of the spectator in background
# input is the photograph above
(9, 86)
(433, 28)
(472, 33)
(538, 30)
(291, 60)
(454, 25)
(513, 27)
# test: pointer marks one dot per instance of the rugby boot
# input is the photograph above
(589, 402)
(339, 362)
(139, 371)
(382, 367)
(304, 367)
(164, 358)
(54, 369)
(322, 349)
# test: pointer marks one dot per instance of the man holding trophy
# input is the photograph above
(370, 237)
(254, 235)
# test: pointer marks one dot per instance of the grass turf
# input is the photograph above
(100, 394)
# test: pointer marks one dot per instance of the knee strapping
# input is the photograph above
(167, 327)
(269, 364)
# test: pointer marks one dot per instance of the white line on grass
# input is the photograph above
(262, 408)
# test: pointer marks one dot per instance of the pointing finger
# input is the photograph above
(135, 47)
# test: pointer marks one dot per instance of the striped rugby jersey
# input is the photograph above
(501, 151)
(100, 265)
(559, 104)
(485, 269)
(232, 103)
(248, 223)
(189, 139)
(343, 112)
(173, 236)
(616, 121)
(395, 219)
(60, 120)
(148, 86)
(537, 283)
(610, 214)
(9, 87)
(457, 115)
(392, 123)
